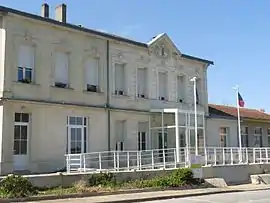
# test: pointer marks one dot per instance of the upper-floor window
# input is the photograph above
(26, 62)
(61, 69)
(120, 81)
(198, 90)
(162, 86)
(142, 82)
(224, 133)
(258, 137)
(244, 136)
(92, 75)
(181, 88)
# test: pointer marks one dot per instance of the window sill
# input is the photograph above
(25, 83)
(61, 88)
(90, 92)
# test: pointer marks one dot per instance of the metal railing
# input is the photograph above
(160, 159)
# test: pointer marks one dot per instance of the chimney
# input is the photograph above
(45, 10)
(61, 13)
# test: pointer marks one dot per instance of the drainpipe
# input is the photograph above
(107, 106)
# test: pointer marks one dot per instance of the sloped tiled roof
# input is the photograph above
(244, 112)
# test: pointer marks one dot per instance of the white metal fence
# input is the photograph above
(158, 159)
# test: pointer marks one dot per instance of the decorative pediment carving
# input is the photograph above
(161, 51)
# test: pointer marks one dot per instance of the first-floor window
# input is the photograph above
(20, 146)
(77, 134)
(258, 137)
(141, 141)
(223, 136)
(268, 136)
(244, 136)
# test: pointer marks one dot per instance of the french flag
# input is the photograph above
(241, 101)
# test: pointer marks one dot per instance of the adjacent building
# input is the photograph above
(69, 89)
(255, 127)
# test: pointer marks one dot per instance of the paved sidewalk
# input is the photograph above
(168, 194)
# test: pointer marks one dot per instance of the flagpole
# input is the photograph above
(239, 124)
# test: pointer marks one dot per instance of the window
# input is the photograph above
(198, 90)
(223, 136)
(258, 137)
(25, 64)
(181, 88)
(142, 133)
(21, 124)
(92, 75)
(61, 70)
(268, 136)
(120, 82)
(142, 82)
(244, 136)
(162, 85)
(77, 134)
(119, 134)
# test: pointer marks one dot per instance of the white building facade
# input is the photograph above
(68, 89)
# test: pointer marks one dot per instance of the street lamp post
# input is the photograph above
(195, 114)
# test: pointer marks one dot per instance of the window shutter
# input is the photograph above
(142, 75)
(61, 67)
(162, 84)
(91, 72)
(26, 56)
(119, 77)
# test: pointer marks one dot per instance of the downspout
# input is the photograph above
(107, 106)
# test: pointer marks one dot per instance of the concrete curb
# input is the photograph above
(57, 197)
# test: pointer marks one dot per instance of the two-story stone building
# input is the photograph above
(69, 89)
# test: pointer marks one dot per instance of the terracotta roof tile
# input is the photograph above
(244, 112)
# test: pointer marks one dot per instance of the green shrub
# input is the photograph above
(177, 178)
(16, 186)
(103, 179)
(180, 177)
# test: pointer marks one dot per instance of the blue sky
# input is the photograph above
(234, 34)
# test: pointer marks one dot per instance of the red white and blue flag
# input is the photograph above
(241, 101)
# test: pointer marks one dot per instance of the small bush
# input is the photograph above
(102, 179)
(14, 186)
(180, 177)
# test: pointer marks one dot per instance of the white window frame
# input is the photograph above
(268, 136)
(24, 67)
(82, 126)
(244, 136)
(224, 134)
(97, 60)
(143, 94)
(165, 97)
(258, 136)
(123, 90)
(64, 84)
(22, 123)
(140, 142)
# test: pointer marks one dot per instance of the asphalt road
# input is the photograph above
(262, 196)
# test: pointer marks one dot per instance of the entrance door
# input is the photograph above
(163, 145)
(20, 142)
